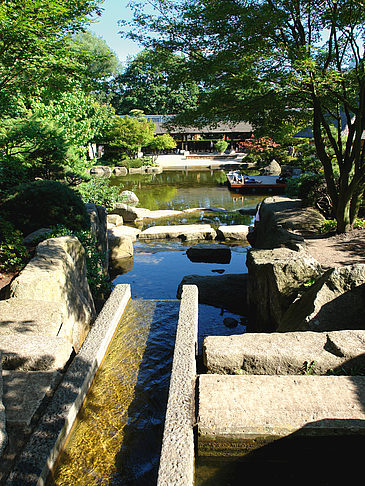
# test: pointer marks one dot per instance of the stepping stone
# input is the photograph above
(186, 232)
(209, 253)
(234, 232)
(123, 231)
(34, 353)
(285, 353)
(262, 409)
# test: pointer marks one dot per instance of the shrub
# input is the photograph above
(99, 191)
(43, 204)
(221, 146)
(13, 253)
(312, 189)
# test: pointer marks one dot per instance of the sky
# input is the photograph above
(107, 27)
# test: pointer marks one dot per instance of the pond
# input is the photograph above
(117, 437)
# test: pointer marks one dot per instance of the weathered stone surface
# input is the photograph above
(186, 232)
(273, 169)
(30, 317)
(130, 198)
(120, 171)
(123, 231)
(25, 393)
(34, 353)
(29, 239)
(114, 219)
(285, 353)
(120, 246)
(262, 409)
(236, 232)
(275, 278)
(57, 273)
(101, 170)
(98, 221)
(268, 233)
(224, 291)
(120, 266)
(209, 253)
(334, 302)
(3, 434)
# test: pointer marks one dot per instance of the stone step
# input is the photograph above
(185, 232)
(286, 353)
(242, 413)
(34, 353)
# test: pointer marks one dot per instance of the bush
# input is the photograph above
(99, 191)
(312, 189)
(99, 283)
(136, 163)
(221, 146)
(13, 253)
(43, 204)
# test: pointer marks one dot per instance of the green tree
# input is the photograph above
(155, 81)
(129, 135)
(162, 142)
(35, 45)
(278, 64)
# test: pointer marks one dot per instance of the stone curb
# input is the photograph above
(177, 455)
(41, 453)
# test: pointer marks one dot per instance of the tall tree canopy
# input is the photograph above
(156, 82)
(278, 64)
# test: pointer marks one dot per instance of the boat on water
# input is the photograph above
(264, 185)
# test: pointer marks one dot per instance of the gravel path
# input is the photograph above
(333, 250)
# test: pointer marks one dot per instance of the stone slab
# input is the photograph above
(25, 393)
(177, 455)
(261, 409)
(209, 253)
(285, 353)
(30, 317)
(34, 353)
(186, 232)
(236, 232)
(123, 231)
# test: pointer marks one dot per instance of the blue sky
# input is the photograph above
(107, 28)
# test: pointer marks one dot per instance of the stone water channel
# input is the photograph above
(117, 437)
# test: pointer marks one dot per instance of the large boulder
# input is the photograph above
(334, 302)
(292, 353)
(277, 218)
(235, 232)
(273, 169)
(120, 246)
(130, 198)
(224, 291)
(275, 279)
(57, 273)
(120, 171)
(101, 171)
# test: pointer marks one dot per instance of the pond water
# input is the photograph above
(117, 437)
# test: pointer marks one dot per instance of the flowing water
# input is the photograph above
(117, 437)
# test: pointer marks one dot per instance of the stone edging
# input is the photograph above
(41, 453)
(177, 455)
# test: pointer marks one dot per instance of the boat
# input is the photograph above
(264, 185)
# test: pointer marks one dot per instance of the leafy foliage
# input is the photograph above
(43, 204)
(13, 253)
(156, 82)
(99, 191)
(221, 145)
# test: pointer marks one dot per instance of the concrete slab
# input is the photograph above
(285, 353)
(34, 353)
(30, 317)
(262, 409)
(186, 232)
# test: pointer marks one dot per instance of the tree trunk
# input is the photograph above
(343, 217)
